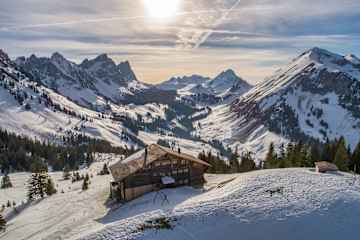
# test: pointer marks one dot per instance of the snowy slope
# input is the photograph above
(312, 206)
(316, 96)
(62, 215)
(318, 206)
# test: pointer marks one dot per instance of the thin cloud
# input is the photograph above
(195, 39)
(108, 19)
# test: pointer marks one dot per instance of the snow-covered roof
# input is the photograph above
(326, 166)
(133, 163)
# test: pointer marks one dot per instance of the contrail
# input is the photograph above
(218, 22)
(225, 31)
(108, 19)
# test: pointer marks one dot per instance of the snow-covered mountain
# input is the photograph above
(353, 59)
(316, 96)
(31, 109)
(195, 89)
(90, 83)
(177, 83)
(228, 82)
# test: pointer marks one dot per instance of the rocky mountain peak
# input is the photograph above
(4, 58)
(228, 74)
(353, 59)
(226, 80)
(321, 55)
(57, 56)
(3, 55)
(104, 58)
(126, 70)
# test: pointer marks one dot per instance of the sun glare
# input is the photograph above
(162, 8)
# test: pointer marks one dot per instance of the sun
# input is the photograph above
(162, 9)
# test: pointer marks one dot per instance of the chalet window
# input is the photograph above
(186, 170)
(183, 162)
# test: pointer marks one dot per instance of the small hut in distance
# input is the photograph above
(323, 167)
(153, 168)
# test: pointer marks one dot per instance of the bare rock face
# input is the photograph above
(98, 77)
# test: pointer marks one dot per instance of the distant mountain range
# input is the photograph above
(90, 83)
(199, 89)
(316, 97)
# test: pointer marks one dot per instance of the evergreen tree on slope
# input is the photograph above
(5, 182)
(2, 224)
(341, 156)
(271, 160)
(355, 159)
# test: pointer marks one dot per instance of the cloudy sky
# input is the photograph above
(164, 38)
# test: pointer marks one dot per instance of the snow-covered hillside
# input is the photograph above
(284, 204)
(64, 215)
(316, 96)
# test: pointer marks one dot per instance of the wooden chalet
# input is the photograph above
(153, 168)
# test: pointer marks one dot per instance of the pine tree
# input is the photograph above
(85, 185)
(5, 182)
(247, 163)
(50, 188)
(234, 162)
(271, 158)
(341, 157)
(315, 155)
(326, 153)
(105, 170)
(2, 223)
(87, 177)
(355, 159)
(66, 173)
(38, 186)
(42, 184)
(32, 187)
